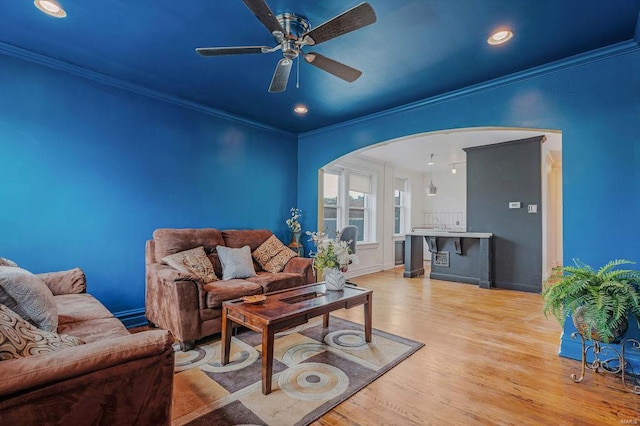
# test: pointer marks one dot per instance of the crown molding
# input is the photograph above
(596, 55)
(37, 58)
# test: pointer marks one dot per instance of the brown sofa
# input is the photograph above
(192, 310)
(114, 378)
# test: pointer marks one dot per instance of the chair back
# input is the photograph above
(350, 234)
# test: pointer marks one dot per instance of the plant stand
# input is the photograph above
(609, 360)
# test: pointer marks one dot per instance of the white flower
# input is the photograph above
(331, 253)
(292, 222)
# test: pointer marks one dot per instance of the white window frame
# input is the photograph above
(344, 178)
(339, 200)
(401, 184)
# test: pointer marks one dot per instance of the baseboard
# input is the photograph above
(456, 278)
(388, 266)
(132, 318)
(362, 271)
(517, 286)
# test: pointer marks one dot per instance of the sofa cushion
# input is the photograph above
(169, 241)
(193, 262)
(79, 307)
(236, 262)
(221, 291)
(237, 238)
(7, 262)
(215, 261)
(272, 255)
(29, 297)
(19, 338)
(274, 282)
(95, 330)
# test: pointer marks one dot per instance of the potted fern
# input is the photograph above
(600, 302)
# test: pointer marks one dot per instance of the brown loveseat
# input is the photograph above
(115, 378)
(191, 309)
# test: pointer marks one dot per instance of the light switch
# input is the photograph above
(532, 208)
(514, 204)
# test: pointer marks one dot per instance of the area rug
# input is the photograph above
(314, 369)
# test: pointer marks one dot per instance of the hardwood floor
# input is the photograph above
(490, 358)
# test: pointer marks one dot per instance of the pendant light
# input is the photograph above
(431, 189)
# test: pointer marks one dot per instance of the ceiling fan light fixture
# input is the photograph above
(300, 109)
(500, 37)
(51, 8)
(292, 32)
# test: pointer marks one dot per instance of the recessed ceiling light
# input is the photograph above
(500, 37)
(300, 109)
(51, 8)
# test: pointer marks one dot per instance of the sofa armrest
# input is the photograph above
(127, 379)
(40, 370)
(72, 281)
(302, 266)
(173, 300)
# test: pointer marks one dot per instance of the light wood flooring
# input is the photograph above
(490, 357)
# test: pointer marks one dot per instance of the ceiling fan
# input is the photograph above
(292, 32)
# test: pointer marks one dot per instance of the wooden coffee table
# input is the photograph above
(288, 308)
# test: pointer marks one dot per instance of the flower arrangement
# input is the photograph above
(331, 253)
(292, 222)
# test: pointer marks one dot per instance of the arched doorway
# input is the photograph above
(406, 159)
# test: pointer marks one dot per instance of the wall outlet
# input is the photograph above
(532, 208)
(514, 204)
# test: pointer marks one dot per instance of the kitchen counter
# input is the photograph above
(448, 233)
(455, 255)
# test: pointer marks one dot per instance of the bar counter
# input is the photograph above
(455, 256)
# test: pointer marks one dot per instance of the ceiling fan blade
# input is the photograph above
(281, 75)
(264, 14)
(235, 50)
(351, 20)
(336, 68)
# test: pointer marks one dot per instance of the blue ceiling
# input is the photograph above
(417, 48)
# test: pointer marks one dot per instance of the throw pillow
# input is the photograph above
(29, 297)
(236, 262)
(272, 255)
(7, 262)
(194, 263)
(18, 338)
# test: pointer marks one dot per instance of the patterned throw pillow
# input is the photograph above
(18, 338)
(29, 297)
(7, 262)
(272, 255)
(236, 262)
(193, 262)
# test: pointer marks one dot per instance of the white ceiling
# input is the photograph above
(413, 152)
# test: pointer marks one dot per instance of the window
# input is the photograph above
(400, 206)
(331, 203)
(348, 199)
(359, 204)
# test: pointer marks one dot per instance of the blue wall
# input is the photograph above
(88, 171)
(594, 100)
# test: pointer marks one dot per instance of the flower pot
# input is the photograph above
(333, 279)
(590, 333)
